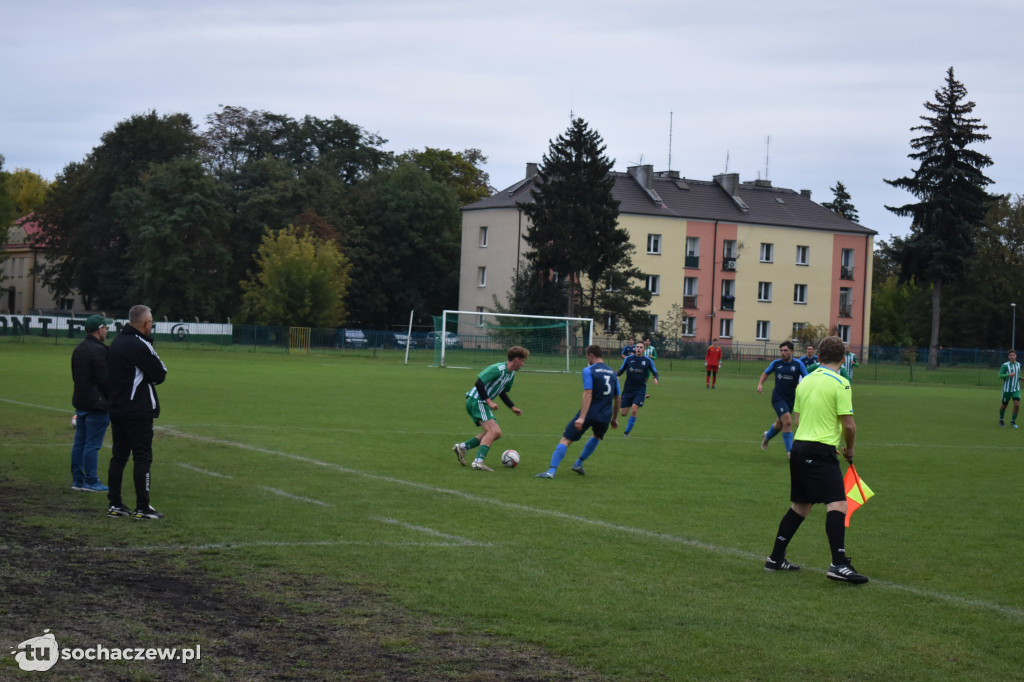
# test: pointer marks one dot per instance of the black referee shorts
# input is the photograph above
(814, 475)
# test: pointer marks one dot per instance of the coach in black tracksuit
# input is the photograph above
(134, 371)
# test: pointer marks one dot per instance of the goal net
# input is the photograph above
(555, 343)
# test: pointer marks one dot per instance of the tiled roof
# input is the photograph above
(705, 200)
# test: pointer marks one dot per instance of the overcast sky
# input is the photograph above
(803, 93)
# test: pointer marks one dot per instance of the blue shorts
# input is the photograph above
(782, 407)
(573, 434)
(634, 397)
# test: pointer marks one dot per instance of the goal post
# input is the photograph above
(552, 338)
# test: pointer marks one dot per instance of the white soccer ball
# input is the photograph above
(510, 458)
(74, 421)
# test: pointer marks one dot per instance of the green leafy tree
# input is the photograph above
(178, 257)
(81, 227)
(8, 212)
(950, 186)
(842, 204)
(527, 295)
(574, 228)
(301, 281)
(459, 170)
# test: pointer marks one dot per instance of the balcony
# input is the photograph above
(728, 302)
(845, 310)
(845, 272)
(692, 261)
(690, 301)
(729, 264)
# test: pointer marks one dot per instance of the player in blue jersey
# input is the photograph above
(627, 350)
(788, 373)
(809, 357)
(599, 408)
(637, 366)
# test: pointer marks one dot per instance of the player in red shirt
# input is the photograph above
(712, 361)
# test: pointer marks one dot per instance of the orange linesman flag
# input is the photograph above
(857, 492)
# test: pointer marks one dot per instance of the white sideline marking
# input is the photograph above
(201, 471)
(430, 531)
(665, 537)
(298, 498)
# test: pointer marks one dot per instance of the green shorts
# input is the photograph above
(478, 410)
(1011, 395)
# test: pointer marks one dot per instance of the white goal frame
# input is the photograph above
(567, 320)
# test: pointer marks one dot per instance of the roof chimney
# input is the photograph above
(805, 193)
(531, 170)
(730, 182)
(644, 176)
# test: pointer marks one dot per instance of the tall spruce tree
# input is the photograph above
(842, 204)
(950, 186)
(574, 226)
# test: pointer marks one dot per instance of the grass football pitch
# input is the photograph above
(649, 567)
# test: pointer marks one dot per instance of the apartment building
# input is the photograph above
(747, 261)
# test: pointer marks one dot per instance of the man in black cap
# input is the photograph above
(135, 370)
(91, 398)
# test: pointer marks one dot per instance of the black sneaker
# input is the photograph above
(783, 565)
(147, 513)
(846, 573)
(579, 470)
(116, 510)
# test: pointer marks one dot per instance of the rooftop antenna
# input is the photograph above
(726, 161)
(670, 140)
(767, 146)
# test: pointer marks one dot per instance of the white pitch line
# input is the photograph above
(297, 498)
(202, 471)
(430, 531)
(641, 532)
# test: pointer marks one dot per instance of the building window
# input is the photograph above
(764, 330)
(729, 255)
(690, 326)
(728, 294)
(67, 304)
(846, 264)
(725, 328)
(483, 236)
(480, 320)
(481, 274)
(654, 323)
(611, 323)
(797, 327)
(803, 255)
(845, 302)
(692, 252)
(764, 292)
(843, 330)
(689, 292)
(654, 244)
(654, 284)
(799, 293)
(767, 253)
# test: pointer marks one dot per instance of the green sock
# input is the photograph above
(482, 452)
(472, 443)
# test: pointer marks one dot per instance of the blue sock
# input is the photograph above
(771, 432)
(588, 450)
(629, 424)
(787, 438)
(557, 456)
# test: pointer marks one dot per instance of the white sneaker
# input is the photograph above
(479, 465)
(764, 440)
(460, 451)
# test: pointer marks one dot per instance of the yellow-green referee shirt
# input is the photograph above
(821, 398)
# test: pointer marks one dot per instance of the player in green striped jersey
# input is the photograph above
(1010, 374)
(494, 382)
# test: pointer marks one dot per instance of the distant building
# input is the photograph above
(21, 290)
(746, 261)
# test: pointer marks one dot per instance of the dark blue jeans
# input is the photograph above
(85, 452)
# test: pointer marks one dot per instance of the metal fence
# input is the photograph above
(957, 366)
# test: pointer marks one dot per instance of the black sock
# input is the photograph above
(835, 529)
(787, 529)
